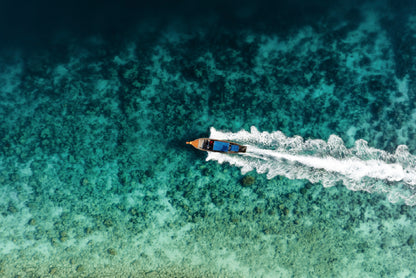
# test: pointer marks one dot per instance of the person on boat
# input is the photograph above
(211, 144)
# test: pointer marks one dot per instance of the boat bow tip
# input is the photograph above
(194, 143)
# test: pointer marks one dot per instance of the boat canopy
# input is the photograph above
(213, 145)
(224, 147)
(221, 146)
(234, 148)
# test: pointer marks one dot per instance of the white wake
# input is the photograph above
(358, 168)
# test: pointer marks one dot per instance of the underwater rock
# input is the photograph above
(411, 241)
(247, 181)
(133, 212)
(112, 251)
(108, 223)
(133, 221)
(80, 268)
(53, 270)
(11, 208)
(121, 207)
(84, 182)
(258, 210)
(308, 185)
(45, 133)
(54, 241)
(404, 209)
(271, 212)
(286, 211)
(63, 236)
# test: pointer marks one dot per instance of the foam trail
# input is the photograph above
(358, 168)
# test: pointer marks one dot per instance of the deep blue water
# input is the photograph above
(98, 99)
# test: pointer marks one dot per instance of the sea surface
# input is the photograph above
(97, 100)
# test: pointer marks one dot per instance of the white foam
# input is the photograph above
(358, 168)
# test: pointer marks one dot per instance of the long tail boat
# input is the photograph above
(213, 145)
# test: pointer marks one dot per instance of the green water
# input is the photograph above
(96, 179)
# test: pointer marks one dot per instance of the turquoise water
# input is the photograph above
(96, 179)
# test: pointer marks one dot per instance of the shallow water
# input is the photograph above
(96, 179)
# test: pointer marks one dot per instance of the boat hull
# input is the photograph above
(214, 145)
